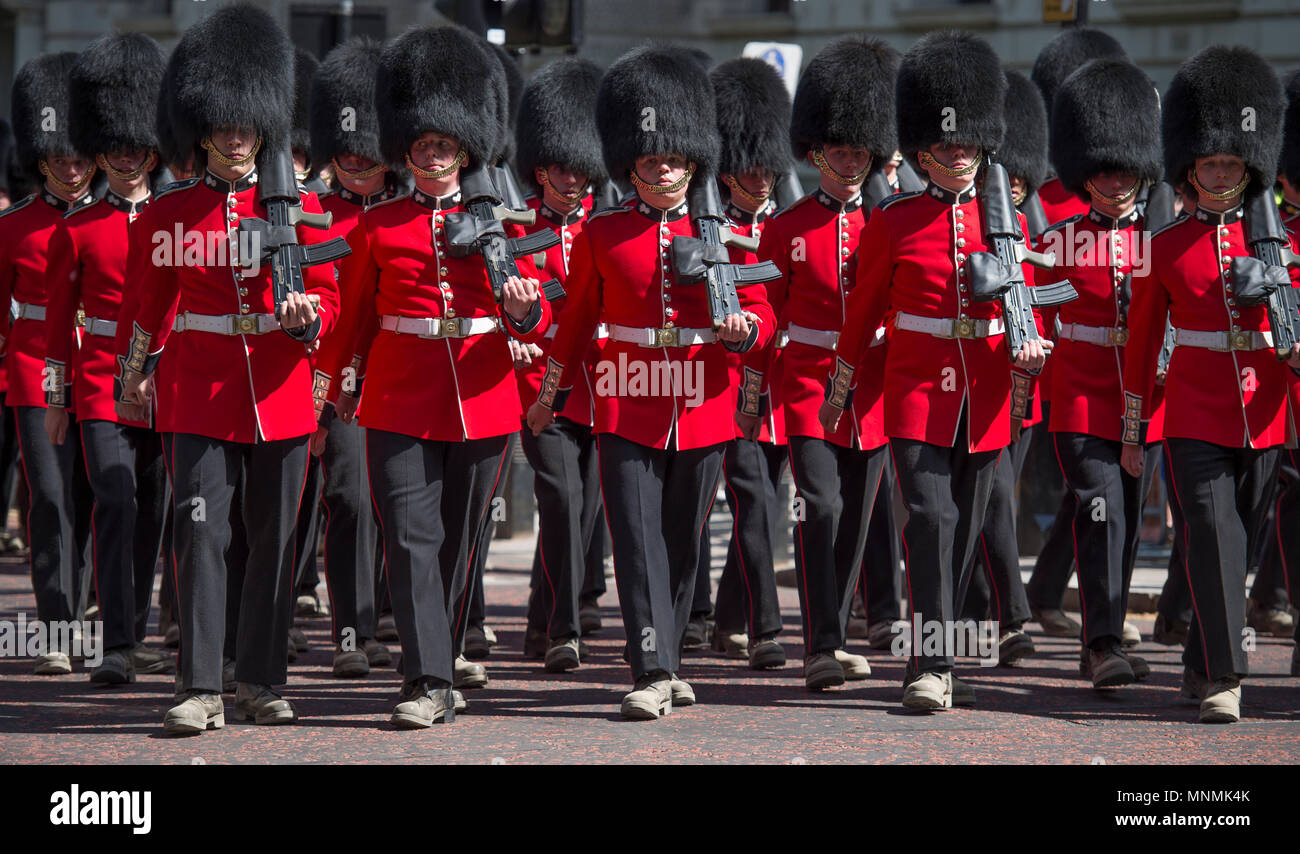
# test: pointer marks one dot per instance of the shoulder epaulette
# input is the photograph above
(1057, 226)
(378, 205)
(607, 211)
(1182, 218)
(894, 199)
(174, 186)
(79, 208)
(17, 206)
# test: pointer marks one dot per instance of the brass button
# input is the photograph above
(959, 213)
(961, 241)
(243, 309)
(442, 271)
(451, 312)
(243, 292)
(961, 226)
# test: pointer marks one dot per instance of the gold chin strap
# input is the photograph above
(754, 199)
(147, 166)
(437, 174)
(230, 161)
(928, 161)
(68, 189)
(545, 181)
(657, 190)
(819, 159)
(1221, 197)
(1099, 196)
(357, 176)
(1018, 198)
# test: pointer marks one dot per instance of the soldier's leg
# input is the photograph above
(111, 469)
(560, 554)
(1051, 575)
(747, 597)
(880, 560)
(307, 530)
(813, 464)
(350, 532)
(689, 486)
(48, 472)
(474, 471)
(152, 499)
(860, 473)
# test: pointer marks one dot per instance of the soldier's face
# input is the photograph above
(954, 155)
(847, 160)
(355, 162)
(756, 181)
(234, 141)
(127, 159)
(1219, 173)
(434, 150)
(565, 182)
(661, 169)
(68, 169)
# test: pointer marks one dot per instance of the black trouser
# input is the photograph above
(837, 487)
(476, 604)
(126, 472)
(1051, 575)
(1223, 492)
(8, 454)
(593, 581)
(702, 601)
(428, 541)
(996, 587)
(946, 492)
(1175, 602)
(656, 501)
(566, 482)
(352, 547)
(879, 582)
(1105, 505)
(1277, 582)
(307, 531)
(207, 473)
(58, 524)
(746, 598)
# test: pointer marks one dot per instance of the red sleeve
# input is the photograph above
(865, 307)
(581, 312)
(774, 247)
(319, 280)
(7, 275)
(358, 281)
(1146, 324)
(159, 290)
(63, 287)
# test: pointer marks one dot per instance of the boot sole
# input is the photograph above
(278, 719)
(402, 720)
(471, 682)
(927, 702)
(645, 712)
(112, 677)
(820, 681)
(767, 661)
(1219, 716)
(216, 721)
(562, 665)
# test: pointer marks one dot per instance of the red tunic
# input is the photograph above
(449, 389)
(236, 388)
(26, 230)
(1235, 398)
(87, 268)
(911, 259)
(751, 225)
(1058, 203)
(662, 397)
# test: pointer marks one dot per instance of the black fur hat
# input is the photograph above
(1212, 96)
(343, 118)
(42, 83)
(1060, 57)
(1024, 150)
(234, 67)
(441, 79)
(1106, 117)
(514, 91)
(950, 78)
(1289, 164)
(6, 152)
(846, 97)
(557, 121)
(304, 70)
(656, 99)
(115, 85)
(753, 116)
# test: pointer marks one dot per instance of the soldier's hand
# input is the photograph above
(297, 310)
(1130, 457)
(540, 417)
(128, 411)
(137, 389)
(523, 354)
(829, 415)
(1160, 377)
(735, 328)
(1294, 361)
(1033, 355)
(346, 407)
(748, 424)
(317, 446)
(56, 424)
(518, 297)
(312, 346)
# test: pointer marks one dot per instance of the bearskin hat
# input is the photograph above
(6, 153)
(1213, 96)
(557, 120)
(1106, 118)
(656, 100)
(1290, 160)
(950, 79)
(345, 81)
(234, 67)
(41, 95)
(1060, 57)
(753, 116)
(846, 97)
(304, 71)
(114, 94)
(1024, 150)
(441, 79)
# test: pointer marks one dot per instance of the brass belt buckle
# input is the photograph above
(81, 317)
(1119, 336)
(246, 325)
(670, 337)
(451, 327)
(1239, 340)
(963, 329)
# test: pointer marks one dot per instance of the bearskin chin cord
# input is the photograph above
(927, 160)
(819, 160)
(1224, 196)
(73, 190)
(1099, 196)
(640, 183)
(357, 176)
(755, 199)
(225, 160)
(573, 198)
(437, 174)
(147, 166)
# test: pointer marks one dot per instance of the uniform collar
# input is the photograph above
(948, 197)
(743, 217)
(1216, 218)
(658, 214)
(221, 185)
(835, 204)
(382, 195)
(132, 208)
(436, 203)
(1288, 209)
(559, 218)
(1111, 222)
(63, 206)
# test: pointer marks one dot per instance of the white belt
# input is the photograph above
(439, 327)
(823, 338)
(226, 324)
(602, 331)
(27, 311)
(1223, 342)
(949, 327)
(675, 336)
(1102, 336)
(99, 326)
